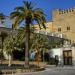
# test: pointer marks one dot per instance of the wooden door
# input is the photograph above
(67, 57)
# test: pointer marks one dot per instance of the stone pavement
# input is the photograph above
(66, 70)
(51, 70)
(53, 67)
(44, 64)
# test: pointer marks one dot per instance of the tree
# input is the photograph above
(40, 43)
(3, 35)
(39, 40)
(2, 16)
(13, 43)
(8, 47)
(27, 14)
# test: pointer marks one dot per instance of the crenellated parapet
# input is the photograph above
(64, 11)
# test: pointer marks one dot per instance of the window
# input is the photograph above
(59, 29)
(68, 28)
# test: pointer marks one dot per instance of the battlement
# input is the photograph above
(65, 11)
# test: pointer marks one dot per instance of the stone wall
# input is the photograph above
(73, 55)
(65, 19)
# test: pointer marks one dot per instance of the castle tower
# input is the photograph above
(64, 22)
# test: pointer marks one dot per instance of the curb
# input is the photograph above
(22, 71)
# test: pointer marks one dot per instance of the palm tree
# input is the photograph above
(27, 14)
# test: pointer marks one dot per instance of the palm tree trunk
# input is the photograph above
(27, 44)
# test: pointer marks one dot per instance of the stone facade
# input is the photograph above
(49, 27)
(64, 22)
(73, 55)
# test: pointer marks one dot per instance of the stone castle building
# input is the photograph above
(64, 22)
(62, 26)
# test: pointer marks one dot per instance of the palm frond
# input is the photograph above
(17, 21)
(21, 8)
(27, 5)
(38, 21)
(43, 25)
(14, 14)
(39, 12)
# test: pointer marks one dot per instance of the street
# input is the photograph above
(54, 71)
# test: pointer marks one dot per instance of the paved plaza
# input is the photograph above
(66, 70)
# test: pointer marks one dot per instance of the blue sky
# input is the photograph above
(7, 6)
